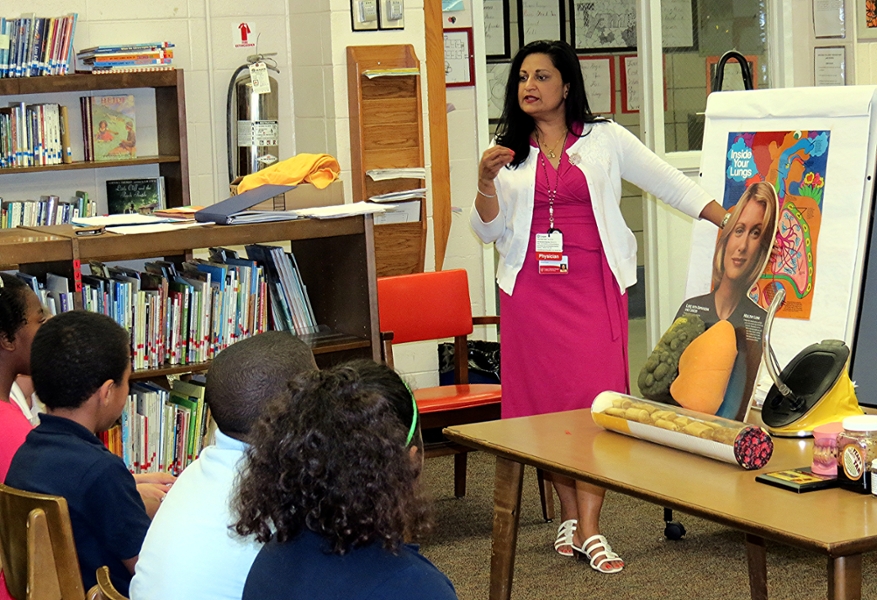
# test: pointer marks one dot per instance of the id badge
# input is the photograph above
(549, 246)
(554, 267)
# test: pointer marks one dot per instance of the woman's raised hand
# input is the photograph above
(493, 159)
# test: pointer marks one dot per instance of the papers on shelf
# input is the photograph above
(118, 220)
(342, 210)
(401, 195)
(156, 228)
(400, 72)
(403, 173)
(403, 212)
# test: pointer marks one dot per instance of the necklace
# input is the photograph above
(550, 152)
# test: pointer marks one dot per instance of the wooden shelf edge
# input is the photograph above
(86, 82)
(104, 164)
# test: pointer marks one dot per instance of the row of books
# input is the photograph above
(32, 46)
(108, 127)
(180, 316)
(48, 210)
(33, 135)
(160, 430)
(185, 314)
(126, 58)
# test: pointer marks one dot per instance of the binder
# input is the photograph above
(222, 213)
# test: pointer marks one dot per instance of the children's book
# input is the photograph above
(113, 127)
(133, 196)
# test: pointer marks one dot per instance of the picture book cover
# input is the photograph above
(797, 480)
(113, 127)
(135, 196)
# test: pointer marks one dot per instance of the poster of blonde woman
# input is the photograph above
(708, 360)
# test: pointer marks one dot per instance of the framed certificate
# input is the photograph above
(459, 60)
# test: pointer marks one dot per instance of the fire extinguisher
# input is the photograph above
(251, 109)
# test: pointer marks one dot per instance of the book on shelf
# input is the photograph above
(113, 127)
(133, 196)
(32, 46)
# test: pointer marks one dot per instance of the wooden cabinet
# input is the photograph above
(170, 115)
(335, 257)
(386, 131)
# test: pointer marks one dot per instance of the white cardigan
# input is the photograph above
(606, 155)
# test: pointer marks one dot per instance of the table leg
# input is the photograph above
(756, 556)
(506, 515)
(845, 577)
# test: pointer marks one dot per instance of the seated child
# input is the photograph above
(331, 485)
(80, 364)
(242, 378)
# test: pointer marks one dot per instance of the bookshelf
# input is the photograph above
(336, 262)
(386, 131)
(170, 113)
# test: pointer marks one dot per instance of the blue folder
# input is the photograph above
(221, 212)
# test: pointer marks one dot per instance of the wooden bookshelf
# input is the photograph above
(170, 112)
(386, 131)
(336, 261)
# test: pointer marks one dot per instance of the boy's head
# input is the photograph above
(244, 376)
(79, 354)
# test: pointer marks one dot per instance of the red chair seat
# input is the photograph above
(456, 397)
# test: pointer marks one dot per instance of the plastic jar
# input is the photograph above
(856, 450)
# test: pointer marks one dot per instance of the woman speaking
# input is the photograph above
(549, 196)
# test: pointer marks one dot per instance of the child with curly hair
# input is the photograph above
(331, 488)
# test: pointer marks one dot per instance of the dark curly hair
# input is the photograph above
(13, 305)
(515, 126)
(332, 457)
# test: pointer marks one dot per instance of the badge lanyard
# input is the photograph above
(549, 246)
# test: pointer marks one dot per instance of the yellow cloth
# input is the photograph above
(318, 169)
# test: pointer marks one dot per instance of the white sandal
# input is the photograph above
(598, 551)
(564, 537)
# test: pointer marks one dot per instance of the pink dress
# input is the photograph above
(14, 427)
(564, 337)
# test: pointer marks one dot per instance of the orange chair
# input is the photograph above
(434, 306)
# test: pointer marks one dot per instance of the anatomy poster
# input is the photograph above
(818, 147)
(794, 162)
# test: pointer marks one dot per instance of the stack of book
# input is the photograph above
(160, 430)
(34, 135)
(48, 210)
(126, 58)
(32, 46)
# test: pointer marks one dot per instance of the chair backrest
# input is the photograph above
(425, 306)
(105, 588)
(36, 546)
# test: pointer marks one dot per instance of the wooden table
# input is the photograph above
(838, 523)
